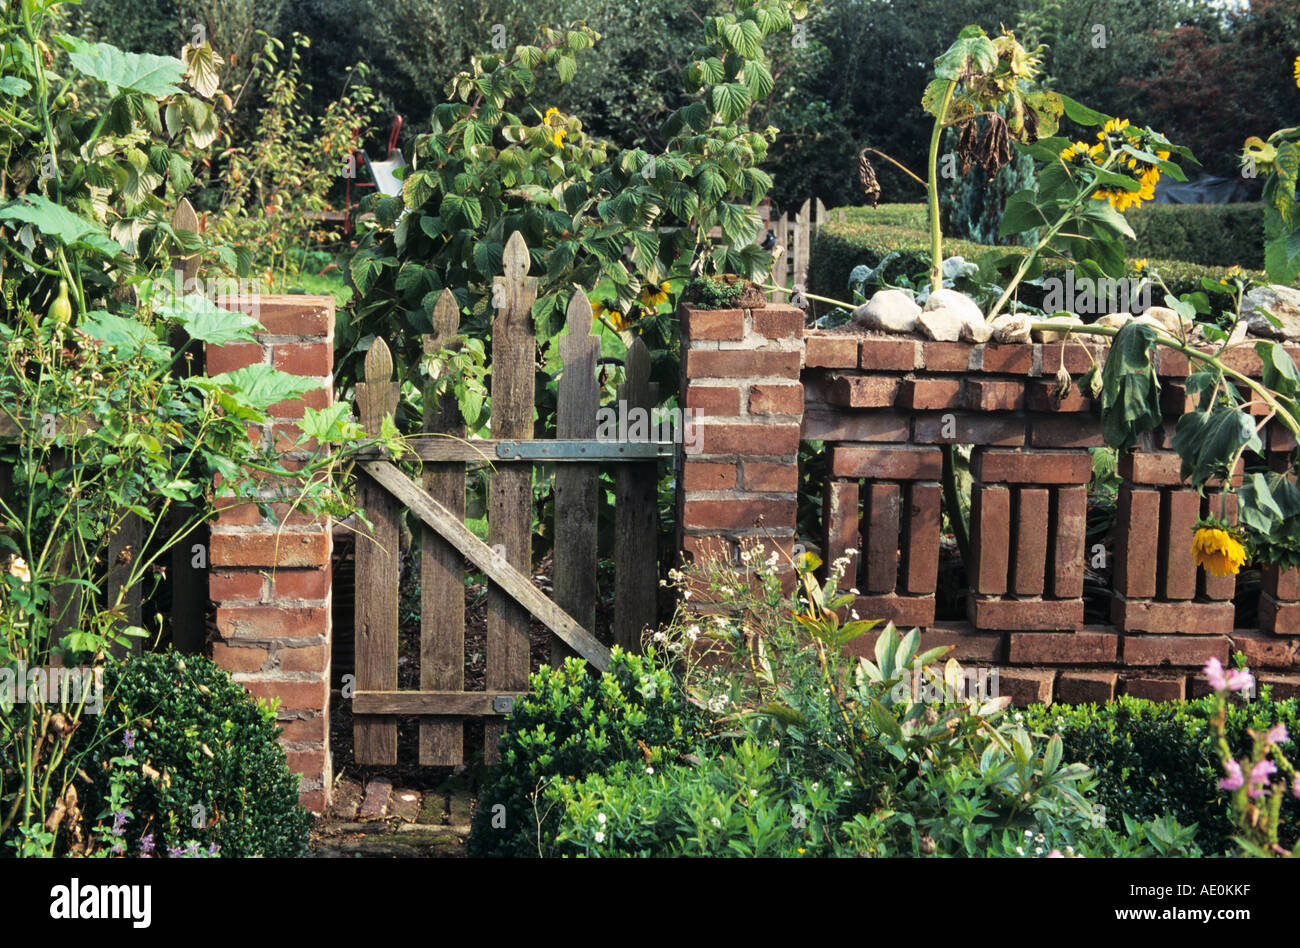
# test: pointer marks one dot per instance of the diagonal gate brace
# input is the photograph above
(515, 583)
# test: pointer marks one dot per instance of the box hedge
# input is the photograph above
(866, 235)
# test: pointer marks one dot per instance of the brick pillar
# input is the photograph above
(741, 377)
(271, 581)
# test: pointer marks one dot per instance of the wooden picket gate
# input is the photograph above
(438, 499)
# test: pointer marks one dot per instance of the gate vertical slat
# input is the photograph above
(442, 568)
(377, 571)
(636, 517)
(781, 264)
(578, 398)
(189, 583)
(510, 512)
(123, 548)
(803, 225)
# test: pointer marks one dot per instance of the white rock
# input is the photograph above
(1282, 301)
(941, 325)
(976, 331)
(962, 304)
(1149, 320)
(1008, 328)
(1115, 320)
(890, 310)
(1173, 322)
(1050, 335)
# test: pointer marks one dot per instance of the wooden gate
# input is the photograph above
(438, 499)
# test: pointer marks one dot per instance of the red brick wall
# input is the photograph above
(884, 406)
(271, 581)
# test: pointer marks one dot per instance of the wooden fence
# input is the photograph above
(437, 498)
(794, 234)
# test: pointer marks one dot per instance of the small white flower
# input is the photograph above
(753, 793)
(650, 770)
(600, 837)
(600, 818)
(744, 556)
(855, 592)
(715, 821)
(1029, 834)
(658, 636)
(1020, 851)
(815, 786)
(854, 613)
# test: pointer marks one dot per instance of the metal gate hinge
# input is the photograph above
(503, 704)
(584, 450)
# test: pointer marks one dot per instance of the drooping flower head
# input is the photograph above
(1213, 671)
(1217, 551)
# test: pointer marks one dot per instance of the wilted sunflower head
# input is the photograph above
(1217, 551)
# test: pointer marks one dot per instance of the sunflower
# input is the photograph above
(1297, 72)
(652, 295)
(1122, 200)
(559, 131)
(1081, 154)
(1113, 131)
(1217, 551)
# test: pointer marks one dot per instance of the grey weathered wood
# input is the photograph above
(442, 570)
(184, 218)
(377, 573)
(123, 550)
(510, 509)
(819, 218)
(577, 398)
(803, 226)
(781, 263)
(66, 599)
(443, 703)
(636, 518)
(512, 582)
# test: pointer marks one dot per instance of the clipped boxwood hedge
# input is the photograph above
(1153, 758)
(1217, 235)
(868, 234)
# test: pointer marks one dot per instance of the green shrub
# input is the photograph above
(1218, 235)
(193, 759)
(806, 750)
(868, 234)
(1153, 758)
(971, 206)
(576, 724)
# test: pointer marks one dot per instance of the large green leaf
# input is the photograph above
(1130, 394)
(55, 220)
(1207, 441)
(972, 52)
(121, 333)
(260, 386)
(146, 73)
(207, 322)
(731, 100)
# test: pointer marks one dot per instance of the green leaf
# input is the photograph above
(207, 322)
(14, 85)
(1080, 113)
(146, 73)
(758, 79)
(731, 100)
(58, 222)
(122, 333)
(1130, 394)
(744, 37)
(1279, 371)
(260, 386)
(1207, 441)
(566, 67)
(365, 270)
(973, 52)
(330, 424)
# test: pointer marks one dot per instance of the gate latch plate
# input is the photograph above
(502, 704)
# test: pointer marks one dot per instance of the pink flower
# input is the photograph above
(1277, 734)
(1214, 671)
(1055, 854)
(1240, 680)
(1234, 779)
(1259, 775)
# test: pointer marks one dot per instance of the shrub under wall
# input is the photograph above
(1153, 758)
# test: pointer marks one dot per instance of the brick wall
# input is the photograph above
(271, 581)
(884, 406)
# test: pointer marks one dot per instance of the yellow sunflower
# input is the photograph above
(652, 295)
(1112, 126)
(1217, 551)
(558, 131)
(1081, 153)
(1122, 200)
(1297, 72)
